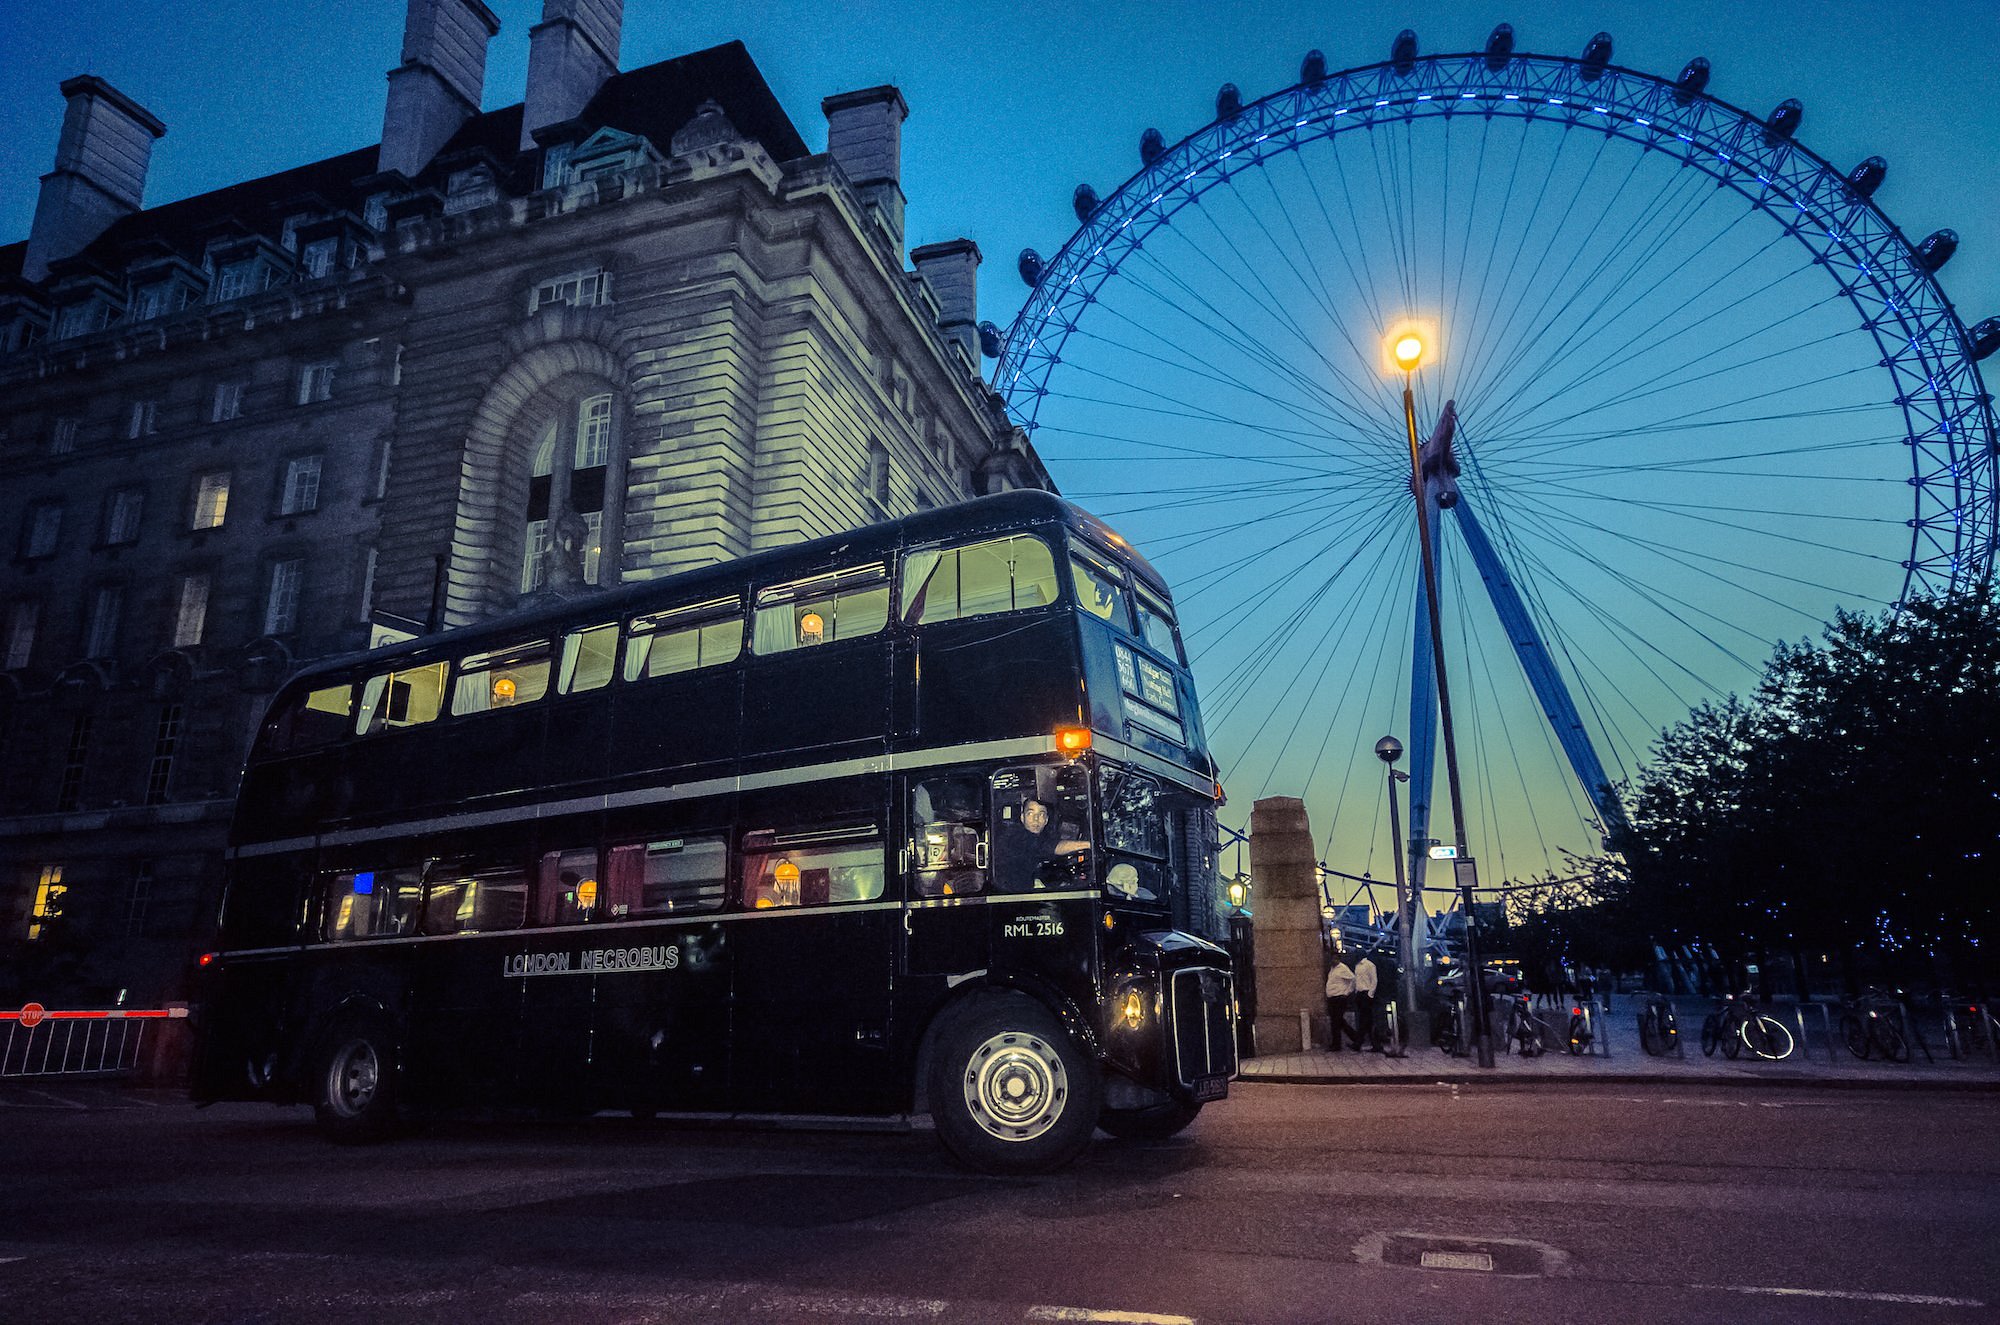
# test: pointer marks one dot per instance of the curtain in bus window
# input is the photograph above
(811, 870)
(503, 678)
(589, 657)
(1001, 575)
(400, 699)
(567, 887)
(1041, 828)
(821, 610)
(948, 819)
(705, 635)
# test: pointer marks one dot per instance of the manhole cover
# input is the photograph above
(1455, 1260)
(1444, 1251)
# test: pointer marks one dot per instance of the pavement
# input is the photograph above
(1617, 1057)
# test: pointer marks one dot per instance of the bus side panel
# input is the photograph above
(242, 1035)
(689, 720)
(818, 699)
(1009, 675)
(471, 757)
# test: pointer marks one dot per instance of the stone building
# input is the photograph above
(629, 326)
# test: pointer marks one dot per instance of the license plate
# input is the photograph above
(1210, 1088)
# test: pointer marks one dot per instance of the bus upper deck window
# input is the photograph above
(400, 699)
(1099, 591)
(685, 639)
(588, 659)
(311, 719)
(999, 575)
(822, 610)
(502, 678)
(1156, 625)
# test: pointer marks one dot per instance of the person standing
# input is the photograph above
(1339, 988)
(1366, 981)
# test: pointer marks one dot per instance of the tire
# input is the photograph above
(1894, 1044)
(1733, 1040)
(1769, 1039)
(1579, 1036)
(1711, 1034)
(1009, 1091)
(1156, 1122)
(355, 1085)
(1649, 1035)
(1855, 1036)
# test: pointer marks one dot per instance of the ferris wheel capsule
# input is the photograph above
(1151, 144)
(1084, 201)
(1867, 177)
(990, 341)
(1937, 248)
(1784, 121)
(1312, 69)
(1692, 80)
(1596, 56)
(1500, 47)
(1403, 53)
(1986, 338)
(1228, 102)
(1030, 267)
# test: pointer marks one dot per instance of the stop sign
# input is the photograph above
(32, 1014)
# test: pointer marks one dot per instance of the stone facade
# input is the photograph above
(308, 408)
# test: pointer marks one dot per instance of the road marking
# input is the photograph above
(1109, 1317)
(1901, 1299)
(9, 1260)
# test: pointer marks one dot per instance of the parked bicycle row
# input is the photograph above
(1879, 1023)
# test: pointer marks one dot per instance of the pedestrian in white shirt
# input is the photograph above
(1339, 988)
(1366, 981)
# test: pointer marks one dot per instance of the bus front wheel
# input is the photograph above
(1009, 1091)
(1155, 1122)
(355, 1098)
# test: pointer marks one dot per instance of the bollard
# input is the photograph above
(1306, 1031)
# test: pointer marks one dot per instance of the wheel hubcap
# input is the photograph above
(352, 1079)
(1015, 1086)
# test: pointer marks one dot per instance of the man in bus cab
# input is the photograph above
(1026, 843)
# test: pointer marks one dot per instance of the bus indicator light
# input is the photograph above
(1072, 740)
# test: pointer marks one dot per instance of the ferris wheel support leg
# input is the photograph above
(1423, 747)
(1543, 678)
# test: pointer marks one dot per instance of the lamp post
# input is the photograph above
(1408, 351)
(1389, 750)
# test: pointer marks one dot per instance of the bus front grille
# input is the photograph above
(1204, 1040)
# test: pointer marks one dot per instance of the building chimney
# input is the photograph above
(100, 174)
(570, 54)
(437, 87)
(864, 133)
(951, 270)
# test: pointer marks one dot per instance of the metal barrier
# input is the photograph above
(45, 1043)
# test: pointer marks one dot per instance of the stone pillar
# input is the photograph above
(1284, 872)
(438, 85)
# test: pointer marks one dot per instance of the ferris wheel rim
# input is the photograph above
(1926, 349)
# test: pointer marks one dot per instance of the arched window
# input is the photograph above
(581, 433)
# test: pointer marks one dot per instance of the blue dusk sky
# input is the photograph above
(1676, 430)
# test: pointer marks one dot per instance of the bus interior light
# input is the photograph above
(1072, 740)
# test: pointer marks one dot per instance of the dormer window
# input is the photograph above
(80, 319)
(580, 289)
(467, 189)
(288, 237)
(609, 152)
(234, 280)
(555, 164)
(375, 214)
(318, 258)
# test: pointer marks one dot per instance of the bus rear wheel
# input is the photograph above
(1010, 1092)
(1155, 1122)
(354, 1100)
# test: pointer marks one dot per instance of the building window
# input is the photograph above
(148, 303)
(100, 630)
(190, 610)
(318, 258)
(583, 289)
(555, 164)
(166, 736)
(235, 280)
(211, 500)
(23, 615)
(227, 403)
(878, 473)
(281, 602)
(69, 792)
(532, 549)
(316, 382)
(48, 905)
(62, 437)
(143, 419)
(381, 470)
(467, 189)
(375, 213)
(139, 899)
(80, 319)
(41, 528)
(368, 585)
(301, 492)
(121, 516)
(593, 432)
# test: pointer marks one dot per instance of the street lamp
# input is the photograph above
(1389, 750)
(1408, 352)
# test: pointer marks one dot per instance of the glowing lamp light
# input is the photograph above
(1072, 740)
(586, 894)
(1134, 1010)
(206, 959)
(503, 690)
(812, 628)
(1408, 351)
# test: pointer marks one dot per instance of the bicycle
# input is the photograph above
(1738, 1025)
(1965, 1031)
(1521, 1028)
(1580, 1028)
(1659, 1030)
(1866, 1027)
(1448, 1029)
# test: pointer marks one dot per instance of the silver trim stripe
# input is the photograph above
(1020, 747)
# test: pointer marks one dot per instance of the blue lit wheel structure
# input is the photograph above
(1708, 394)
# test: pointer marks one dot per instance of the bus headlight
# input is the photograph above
(1133, 1009)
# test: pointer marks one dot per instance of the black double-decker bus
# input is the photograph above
(892, 822)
